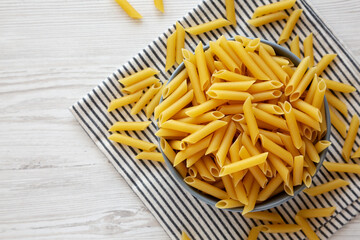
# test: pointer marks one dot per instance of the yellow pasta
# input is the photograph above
(342, 167)
(319, 94)
(265, 86)
(146, 98)
(132, 142)
(350, 138)
(204, 131)
(276, 150)
(139, 76)
(243, 164)
(264, 67)
(129, 126)
(225, 144)
(209, 61)
(306, 228)
(140, 85)
(307, 180)
(273, 7)
(170, 51)
(224, 57)
(288, 143)
(280, 228)
(308, 49)
(303, 84)
(254, 233)
(180, 41)
(290, 24)
(159, 5)
(270, 188)
(316, 212)
(170, 154)
(204, 107)
(154, 156)
(338, 86)
(181, 126)
(326, 187)
(337, 123)
(202, 67)
(257, 22)
(228, 95)
(230, 11)
(270, 119)
(189, 56)
(298, 170)
(177, 145)
(324, 62)
(170, 134)
(125, 100)
(228, 203)
(322, 145)
(265, 216)
(292, 125)
(336, 103)
(125, 5)
(297, 76)
(251, 121)
(190, 161)
(203, 171)
(231, 76)
(206, 188)
(204, 118)
(308, 109)
(295, 46)
(254, 191)
(229, 186)
(241, 193)
(173, 109)
(206, 27)
(174, 83)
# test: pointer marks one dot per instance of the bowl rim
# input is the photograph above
(277, 199)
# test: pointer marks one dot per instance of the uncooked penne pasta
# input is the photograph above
(230, 11)
(129, 126)
(275, 67)
(326, 187)
(338, 86)
(336, 103)
(350, 138)
(290, 24)
(140, 85)
(125, 5)
(146, 98)
(170, 154)
(203, 71)
(170, 51)
(280, 228)
(243, 164)
(132, 142)
(319, 94)
(204, 131)
(342, 167)
(295, 46)
(273, 7)
(159, 5)
(125, 100)
(322, 145)
(306, 228)
(297, 76)
(204, 107)
(265, 216)
(272, 17)
(308, 49)
(228, 203)
(180, 42)
(206, 27)
(206, 188)
(324, 62)
(337, 123)
(316, 212)
(292, 125)
(224, 57)
(154, 156)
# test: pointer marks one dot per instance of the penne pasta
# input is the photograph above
(170, 51)
(270, 188)
(308, 49)
(316, 212)
(280, 228)
(203, 71)
(324, 62)
(265, 216)
(342, 167)
(322, 145)
(337, 123)
(275, 67)
(209, 26)
(326, 187)
(298, 170)
(138, 77)
(140, 85)
(146, 98)
(254, 191)
(338, 86)
(297, 76)
(292, 125)
(295, 46)
(129, 126)
(125, 5)
(224, 57)
(290, 24)
(180, 42)
(228, 203)
(243, 164)
(173, 109)
(125, 100)
(230, 11)
(306, 228)
(132, 142)
(225, 144)
(203, 131)
(170, 154)
(204, 107)
(336, 103)
(195, 81)
(319, 94)
(159, 5)
(254, 233)
(272, 17)
(251, 121)
(303, 84)
(273, 7)
(154, 156)
(350, 138)
(206, 188)
(276, 150)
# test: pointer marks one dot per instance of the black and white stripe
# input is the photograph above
(175, 209)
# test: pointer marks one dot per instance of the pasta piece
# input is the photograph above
(338, 86)
(324, 62)
(173, 109)
(202, 67)
(184, 236)
(206, 188)
(306, 228)
(145, 99)
(132, 142)
(310, 93)
(247, 61)
(265, 216)
(217, 138)
(229, 186)
(159, 5)
(316, 212)
(174, 83)
(170, 134)
(289, 188)
(273, 7)
(319, 94)
(297, 76)
(308, 109)
(234, 86)
(218, 66)
(307, 180)
(193, 172)
(290, 24)
(264, 67)
(298, 170)
(181, 126)
(195, 81)
(326, 187)
(176, 95)
(295, 46)
(230, 11)
(154, 156)
(138, 77)
(257, 22)
(204, 107)
(204, 131)
(228, 203)
(254, 233)
(288, 143)
(322, 145)
(253, 45)
(177, 145)
(231, 76)
(279, 165)
(270, 108)
(276, 150)
(224, 44)
(248, 181)
(292, 125)
(125, 100)
(125, 5)
(280, 228)
(211, 166)
(209, 26)
(265, 86)
(337, 123)
(189, 56)
(275, 67)
(282, 61)
(170, 51)
(270, 119)
(170, 154)
(342, 167)
(224, 57)
(311, 151)
(225, 144)
(306, 119)
(336, 103)
(350, 138)
(308, 49)
(204, 118)
(243, 164)
(228, 95)
(140, 85)
(251, 121)
(191, 150)
(255, 187)
(180, 41)
(323, 127)
(203, 171)
(210, 61)
(129, 126)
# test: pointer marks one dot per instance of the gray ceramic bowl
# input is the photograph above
(277, 199)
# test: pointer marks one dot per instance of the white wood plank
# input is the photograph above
(54, 182)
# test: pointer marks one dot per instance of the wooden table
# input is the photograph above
(54, 182)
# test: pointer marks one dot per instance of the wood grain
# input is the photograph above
(54, 182)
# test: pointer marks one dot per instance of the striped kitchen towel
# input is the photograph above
(174, 208)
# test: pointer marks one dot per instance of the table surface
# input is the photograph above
(54, 182)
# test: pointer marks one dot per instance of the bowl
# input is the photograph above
(277, 199)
